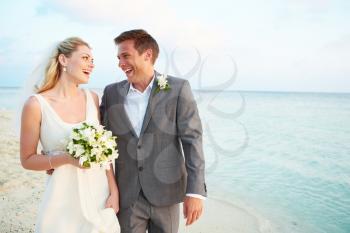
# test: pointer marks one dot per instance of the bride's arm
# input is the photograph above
(30, 131)
(113, 199)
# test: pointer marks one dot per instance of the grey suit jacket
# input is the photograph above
(166, 160)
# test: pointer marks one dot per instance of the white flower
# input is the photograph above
(75, 135)
(79, 150)
(70, 147)
(110, 144)
(89, 134)
(93, 146)
(96, 151)
(82, 160)
(99, 129)
(162, 83)
(104, 137)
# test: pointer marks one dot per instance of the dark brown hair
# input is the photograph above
(142, 41)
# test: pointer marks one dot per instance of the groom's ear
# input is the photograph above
(148, 55)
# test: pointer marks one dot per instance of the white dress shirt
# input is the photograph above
(135, 106)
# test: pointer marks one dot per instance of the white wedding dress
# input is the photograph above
(74, 199)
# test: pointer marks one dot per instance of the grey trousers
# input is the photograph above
(142, 216)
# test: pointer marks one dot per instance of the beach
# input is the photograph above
(21, 190)
(280, 167)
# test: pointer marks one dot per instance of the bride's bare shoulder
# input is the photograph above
(31, 116)
(32, 105)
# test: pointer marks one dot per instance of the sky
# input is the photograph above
(272, 45)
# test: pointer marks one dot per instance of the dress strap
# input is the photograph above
(89, 98)
(91, 111)
(41, 101)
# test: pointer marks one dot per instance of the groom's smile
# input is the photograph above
(134, 64)
(128, 71)
(128, 57)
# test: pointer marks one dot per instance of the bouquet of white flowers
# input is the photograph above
(93, 146)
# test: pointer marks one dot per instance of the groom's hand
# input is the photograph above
(192, 209)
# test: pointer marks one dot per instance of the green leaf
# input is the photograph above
(86, 164)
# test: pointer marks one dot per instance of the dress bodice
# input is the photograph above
(54, 132)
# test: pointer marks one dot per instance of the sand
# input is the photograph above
(21, 190)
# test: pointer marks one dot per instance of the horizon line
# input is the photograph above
(237, 90)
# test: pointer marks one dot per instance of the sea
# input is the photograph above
(284, 157)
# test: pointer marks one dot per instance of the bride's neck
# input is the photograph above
(66, 89)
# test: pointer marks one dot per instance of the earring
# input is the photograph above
(64, 69)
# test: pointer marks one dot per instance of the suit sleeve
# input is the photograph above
(190, 133)
(103, 109)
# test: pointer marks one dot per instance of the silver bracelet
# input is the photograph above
(50, 162)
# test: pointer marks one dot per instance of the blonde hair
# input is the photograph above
(53, 68)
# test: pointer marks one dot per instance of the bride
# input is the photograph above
(75, 200)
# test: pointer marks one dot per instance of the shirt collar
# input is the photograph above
(148, 88)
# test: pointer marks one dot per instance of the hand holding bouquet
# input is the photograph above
(93, 146)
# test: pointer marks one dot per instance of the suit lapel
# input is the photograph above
(150, 106)
(125, 118)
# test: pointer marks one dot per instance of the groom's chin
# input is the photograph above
(130, 78)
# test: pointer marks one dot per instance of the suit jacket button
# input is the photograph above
(140, 169)
(138, 147)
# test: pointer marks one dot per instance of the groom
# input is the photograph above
(159, 132)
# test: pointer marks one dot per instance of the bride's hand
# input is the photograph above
(74, 162)
(113, 202)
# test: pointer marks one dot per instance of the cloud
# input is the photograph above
(275, 45)
(329, 66)
(159, 18)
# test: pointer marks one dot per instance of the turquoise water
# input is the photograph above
(286, 155)
(294, 168)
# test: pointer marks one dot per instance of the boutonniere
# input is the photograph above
(162, 83)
